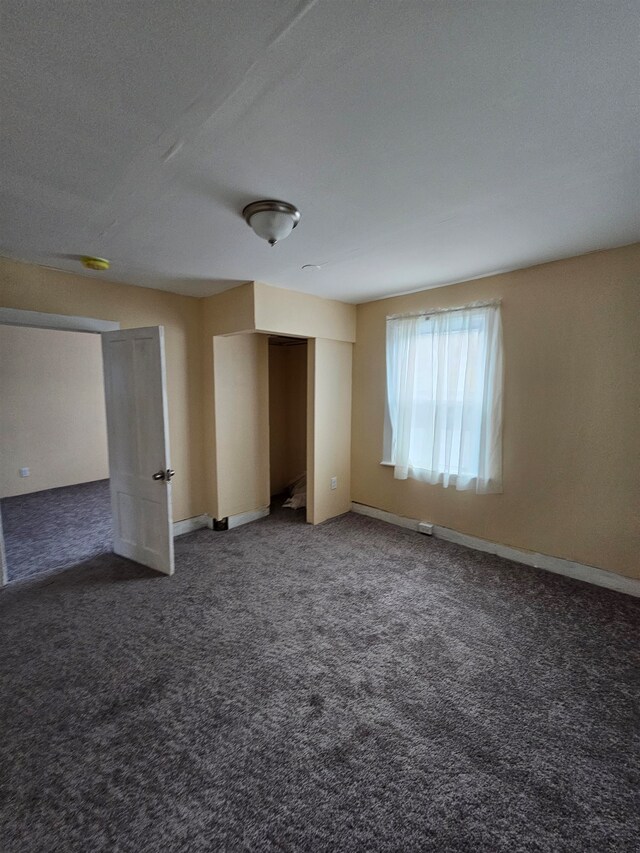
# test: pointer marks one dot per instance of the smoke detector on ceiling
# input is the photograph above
(91, 263)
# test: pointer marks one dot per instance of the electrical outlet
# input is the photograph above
(334, 482)
(24, 472)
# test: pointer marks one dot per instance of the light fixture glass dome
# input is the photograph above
(272, 226)
(272, 220)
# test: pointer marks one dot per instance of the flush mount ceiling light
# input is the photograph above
(270, 219)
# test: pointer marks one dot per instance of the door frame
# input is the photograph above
(56, 322)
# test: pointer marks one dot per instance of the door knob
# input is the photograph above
(164, 475)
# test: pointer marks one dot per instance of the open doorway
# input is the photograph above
(54, 475)
(135, 400)
(288, 426)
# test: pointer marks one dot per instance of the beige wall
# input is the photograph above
(287, 414)
(209, 448)
(329, 428)
(572, 397)
(571, 418)
(287, 312)
(52, 413)
(259, 308)
(277, 420)
(35, 288)
(229, 312)
(241, 394)
(215, 383)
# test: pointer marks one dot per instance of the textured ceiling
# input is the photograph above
(424, 143)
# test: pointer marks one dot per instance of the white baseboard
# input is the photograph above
(558, 565)
(246, 517)
(188, 525)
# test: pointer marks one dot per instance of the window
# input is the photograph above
(444, 398)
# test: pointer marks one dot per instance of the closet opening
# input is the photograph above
(288, 426)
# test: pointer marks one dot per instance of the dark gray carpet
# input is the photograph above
(354, 687)
(56, 528)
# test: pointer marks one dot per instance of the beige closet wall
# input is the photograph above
(571, 416)
(34, 288)
(52, 412)
(241, 394)
(287, 414)
(264, 310)
(287, 312)
(329, 428)
(226, 313)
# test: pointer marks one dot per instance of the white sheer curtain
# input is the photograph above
(444, 396)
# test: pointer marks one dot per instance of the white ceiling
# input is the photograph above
(424, 142)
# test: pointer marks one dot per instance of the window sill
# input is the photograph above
(388, 464)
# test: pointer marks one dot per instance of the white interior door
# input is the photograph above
(137, 430)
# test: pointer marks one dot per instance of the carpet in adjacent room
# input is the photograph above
(56, 528)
